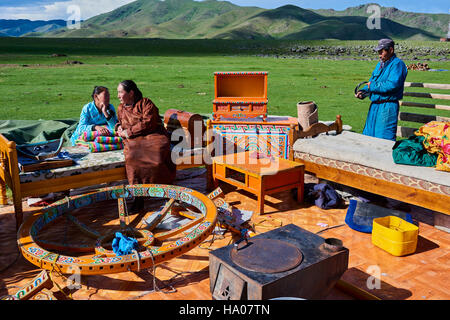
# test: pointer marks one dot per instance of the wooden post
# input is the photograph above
(338, 124)
(291, 140)
(13, 171)
(3, 198)
(207, 156)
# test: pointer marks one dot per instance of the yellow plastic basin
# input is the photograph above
(395, 235)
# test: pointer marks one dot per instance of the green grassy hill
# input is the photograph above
(437, 24)
(189, 19)
(353, 28)
(172, 19)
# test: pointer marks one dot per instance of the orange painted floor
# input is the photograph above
(424, 275)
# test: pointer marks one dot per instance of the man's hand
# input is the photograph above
(359, 95)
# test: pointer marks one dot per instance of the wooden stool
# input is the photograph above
(259, 174)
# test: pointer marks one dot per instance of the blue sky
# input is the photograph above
(63, 9)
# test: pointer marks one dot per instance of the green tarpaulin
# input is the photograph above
(32, 131)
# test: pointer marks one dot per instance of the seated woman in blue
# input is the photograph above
(95, 115)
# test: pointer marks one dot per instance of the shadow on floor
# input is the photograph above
(375, 286)
(423, 245)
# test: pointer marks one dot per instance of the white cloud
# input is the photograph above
(62, 10)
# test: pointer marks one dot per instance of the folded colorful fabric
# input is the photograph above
(99, 147)
(96, 142)
(108, 140)
(91, 135)
(437, 140)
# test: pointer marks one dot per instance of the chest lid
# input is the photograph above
(241, 85)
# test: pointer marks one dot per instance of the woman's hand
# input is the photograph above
(105, 109)
(102, 130)
(121, 132)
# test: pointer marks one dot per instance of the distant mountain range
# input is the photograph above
(211, 19)
(436, 24)
(17, 28)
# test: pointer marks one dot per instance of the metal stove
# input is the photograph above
(284, 262)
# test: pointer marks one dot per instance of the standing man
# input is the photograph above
(385, 89)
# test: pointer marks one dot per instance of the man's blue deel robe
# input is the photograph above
(386, 89)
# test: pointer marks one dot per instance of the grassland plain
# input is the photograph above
(179, 74)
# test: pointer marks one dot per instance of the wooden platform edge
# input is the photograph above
(422, 198)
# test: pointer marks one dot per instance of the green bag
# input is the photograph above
(412, 152)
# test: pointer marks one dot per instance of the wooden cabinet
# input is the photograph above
(240, 95)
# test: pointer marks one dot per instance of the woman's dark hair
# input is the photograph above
(129, 85)
(98, 90)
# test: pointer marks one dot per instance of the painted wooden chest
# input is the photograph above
(240, 95)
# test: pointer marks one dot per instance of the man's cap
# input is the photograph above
(384, 44)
